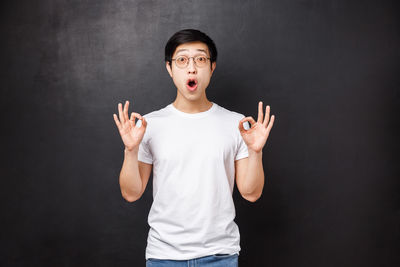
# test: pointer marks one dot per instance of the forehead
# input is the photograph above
(191, 48)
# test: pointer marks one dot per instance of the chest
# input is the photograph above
(194, 143)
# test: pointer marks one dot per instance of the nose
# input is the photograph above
(191, 66)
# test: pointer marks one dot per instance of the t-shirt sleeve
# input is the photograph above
(242, 151)
(144, 154)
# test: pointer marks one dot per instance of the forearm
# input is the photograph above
(129, 179)
(254, 182)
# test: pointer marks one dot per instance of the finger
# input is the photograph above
(135, 115)
(271, 123)
(250, 120)
(266, 119)
(126, 110)
(132, 119)
(116, 121)
(241, 128)
(144, 122)
(121, 115)
(260, 112)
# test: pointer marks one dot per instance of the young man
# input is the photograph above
(197, 149)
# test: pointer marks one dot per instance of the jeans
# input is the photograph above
(216, 260)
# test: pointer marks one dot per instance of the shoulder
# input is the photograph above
(154, 119)
(233, 115)
(229, 118)
(160, 113)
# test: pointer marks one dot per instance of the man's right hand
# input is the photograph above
(130, 134)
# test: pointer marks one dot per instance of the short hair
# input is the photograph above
(186, 36)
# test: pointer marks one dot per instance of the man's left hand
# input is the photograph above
(256, 137)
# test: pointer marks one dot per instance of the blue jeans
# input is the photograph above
(216, 260)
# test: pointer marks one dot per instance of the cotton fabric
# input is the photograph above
(192, 214)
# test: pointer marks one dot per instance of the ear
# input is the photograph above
(214, 65)
(168, 67)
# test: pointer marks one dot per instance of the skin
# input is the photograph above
(249, 171)
(187, 101)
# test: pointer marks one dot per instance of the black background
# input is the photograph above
(328, 69)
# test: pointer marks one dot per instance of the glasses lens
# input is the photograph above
(201, 61)
(181, 61)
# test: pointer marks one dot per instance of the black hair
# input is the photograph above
(186, 36)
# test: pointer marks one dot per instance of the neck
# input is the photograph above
(195, 106)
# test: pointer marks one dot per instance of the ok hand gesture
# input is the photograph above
(256, 137)
(130, 134)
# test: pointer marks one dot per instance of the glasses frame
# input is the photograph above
(187, 64)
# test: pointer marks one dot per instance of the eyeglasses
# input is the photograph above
(183, 61)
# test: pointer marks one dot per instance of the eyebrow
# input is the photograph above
(201, 50)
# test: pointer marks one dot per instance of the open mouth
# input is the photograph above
(191, 84)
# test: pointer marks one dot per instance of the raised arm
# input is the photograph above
(134, 175)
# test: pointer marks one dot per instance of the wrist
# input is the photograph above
(255, 153)
(131, 150)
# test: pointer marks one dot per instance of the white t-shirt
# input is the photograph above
(193, 156)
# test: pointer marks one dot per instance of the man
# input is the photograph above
(197, 147)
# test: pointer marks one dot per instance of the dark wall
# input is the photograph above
(328, 69)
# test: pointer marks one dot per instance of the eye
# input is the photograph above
(201, 59)
(181, 59)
